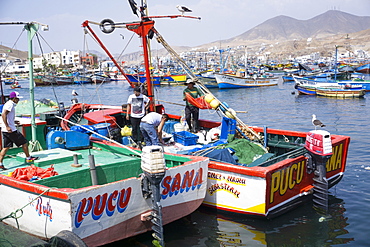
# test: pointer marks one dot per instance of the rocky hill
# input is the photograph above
(330, 23)
(13, 53)
(283, 36)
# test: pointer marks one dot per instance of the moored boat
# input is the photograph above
(230, 81)
(365, 69)
(157, 80)
(328, 88)
(59, 192)
(100, 78)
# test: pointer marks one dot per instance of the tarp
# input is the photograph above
(198, 102)
(33, 172)
(221, 155)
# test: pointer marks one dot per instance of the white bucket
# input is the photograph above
(180, 127)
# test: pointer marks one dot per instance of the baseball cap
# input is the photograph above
(15, 95)
(189, 81)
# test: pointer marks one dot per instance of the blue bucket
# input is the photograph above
(125, 140)
(102, 129)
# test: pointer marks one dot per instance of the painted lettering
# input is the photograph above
(335, 162)
(108, 203)
(286, 178)
(177, 184)
(231, 179)
(225, 187)
(44, 209)
(186, 183)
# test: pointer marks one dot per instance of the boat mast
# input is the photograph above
(142, 29)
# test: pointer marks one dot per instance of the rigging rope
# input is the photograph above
(14, 214)
(244, 127)
(119, 57)
(15, 43)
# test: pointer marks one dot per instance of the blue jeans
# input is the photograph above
(149, 133)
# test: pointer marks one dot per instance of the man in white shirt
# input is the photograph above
(9, 131)
(137, 104)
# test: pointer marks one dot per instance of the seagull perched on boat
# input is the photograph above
(74, 93)
(183, 9)
(317, 122)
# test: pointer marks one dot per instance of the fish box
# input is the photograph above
(152, 159)
(185, 138)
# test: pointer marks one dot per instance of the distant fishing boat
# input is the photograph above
(100, 78)
(47, 80)
(81, 79)
(231, 81)
(365, 69)
(328, 88)
(208, 79)
(15, 85)
(158, 79)
(8, 80)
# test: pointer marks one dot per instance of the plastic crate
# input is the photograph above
(185, 138)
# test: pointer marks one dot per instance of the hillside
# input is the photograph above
(284, 36)
(329, 23)
(13, 53)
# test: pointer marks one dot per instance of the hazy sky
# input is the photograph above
(221, 19)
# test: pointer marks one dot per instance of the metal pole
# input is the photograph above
(32, 29)
(335, 65)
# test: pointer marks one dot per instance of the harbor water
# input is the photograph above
(275, 107)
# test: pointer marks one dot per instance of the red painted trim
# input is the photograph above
(62, 194)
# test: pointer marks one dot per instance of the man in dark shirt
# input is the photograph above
(191, 110)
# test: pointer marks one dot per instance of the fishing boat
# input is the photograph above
(158, 79)
(356, 79)
(231, 81)
(100, 78)
(95, 207)
(288, 78)
(47, 80)
(97, 189)
(208, 79)
(63, 80)
(328, 88)
(8, 80)
(365, 69)
(283, 169)
(15, 85)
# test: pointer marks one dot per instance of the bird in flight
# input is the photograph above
(316, 122)
(183, 9)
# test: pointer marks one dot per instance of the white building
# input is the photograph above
(70, 57)
(58, 59)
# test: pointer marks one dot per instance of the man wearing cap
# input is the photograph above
(9, 132)
(191, 110)
(137, 104)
